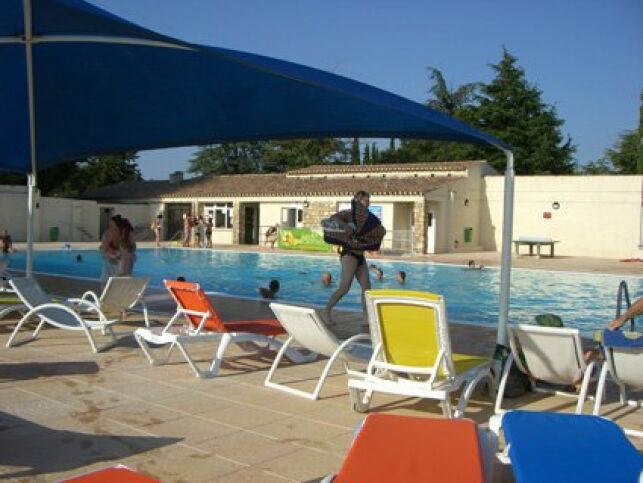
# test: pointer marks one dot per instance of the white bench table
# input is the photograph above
(537, 242)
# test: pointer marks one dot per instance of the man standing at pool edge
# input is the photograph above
(356, 230)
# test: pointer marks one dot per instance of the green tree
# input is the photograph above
(355, 151)
(266, 156)
(366, 157)
(450, 101)
(512, 109)
(458, 102)
(625, 157)
(228, 158)
(77, 177)
(299, 153)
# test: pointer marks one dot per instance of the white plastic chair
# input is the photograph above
(8, 306)
(306, 328)
(57, 314)
(412, 353)
(624, 363)
(120, 295)
(551, 354)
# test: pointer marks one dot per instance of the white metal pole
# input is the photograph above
(31, 179)
(505, 264)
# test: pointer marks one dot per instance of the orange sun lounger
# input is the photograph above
(204, 324)
(402, 448)
(118, 473)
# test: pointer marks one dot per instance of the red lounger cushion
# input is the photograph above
(392, 448)
(115, 474)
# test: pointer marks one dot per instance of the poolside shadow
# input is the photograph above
(32, 449)
(20, 371)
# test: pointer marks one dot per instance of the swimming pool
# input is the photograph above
(583, 300)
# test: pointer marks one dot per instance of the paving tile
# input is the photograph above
(193, 402)
(190, 429)
(249, 448)
(300, 431)
(138, 414)
(243, 416)
(303, 465)
(252, 475)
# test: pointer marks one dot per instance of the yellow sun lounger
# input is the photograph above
(412, 352)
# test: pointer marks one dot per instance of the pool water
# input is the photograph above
(583, 300)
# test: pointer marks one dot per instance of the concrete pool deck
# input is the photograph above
(65, 411)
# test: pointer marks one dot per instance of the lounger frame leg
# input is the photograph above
(600, 391)
(503, 384)
(468, 391)
(320, 383)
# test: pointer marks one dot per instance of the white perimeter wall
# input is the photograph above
(77, 220)
(599, 216)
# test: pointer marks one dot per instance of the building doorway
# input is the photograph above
(174, 219)
(430, 231)
(250, 225)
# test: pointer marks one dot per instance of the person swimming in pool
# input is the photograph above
(326, 279)
(401, 277)
(271, 291)
(378, 273)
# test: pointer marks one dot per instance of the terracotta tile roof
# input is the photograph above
(263, 185)
(382, 168)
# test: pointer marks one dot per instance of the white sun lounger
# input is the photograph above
(624, 363)
(57, 314)
(120, 295)
(551, 354)
(305, 327)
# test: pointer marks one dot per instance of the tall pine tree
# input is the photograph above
(512, 109)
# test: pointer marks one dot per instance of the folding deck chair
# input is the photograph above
(624, 363)
(120, 295)
(305, 327)
(203, 324)
(57, 314)
(412, 353)
(390, 448)
(551, 354)
(559, 448)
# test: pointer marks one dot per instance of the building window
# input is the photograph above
(223, 215)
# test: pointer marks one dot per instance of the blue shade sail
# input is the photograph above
(103, 84)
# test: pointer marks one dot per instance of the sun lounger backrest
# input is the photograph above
(306, 327)
(121, 293)
(410, 326)
(190, 296)
(551, 354)
(30, 292)
(624, 354)
(32, 295)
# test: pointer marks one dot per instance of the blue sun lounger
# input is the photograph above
(556, 447)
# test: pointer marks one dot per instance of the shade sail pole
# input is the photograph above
(505, 263)
(31, 178)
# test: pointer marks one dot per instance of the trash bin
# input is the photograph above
(468, 234)
(54, 232)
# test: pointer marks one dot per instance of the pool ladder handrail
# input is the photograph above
(623, 295)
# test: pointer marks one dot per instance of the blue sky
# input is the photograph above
(585, 55)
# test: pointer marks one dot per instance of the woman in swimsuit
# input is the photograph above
(110, 248)
(353, 262)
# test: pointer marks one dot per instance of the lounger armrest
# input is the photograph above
(89, 306)
(91, 296)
